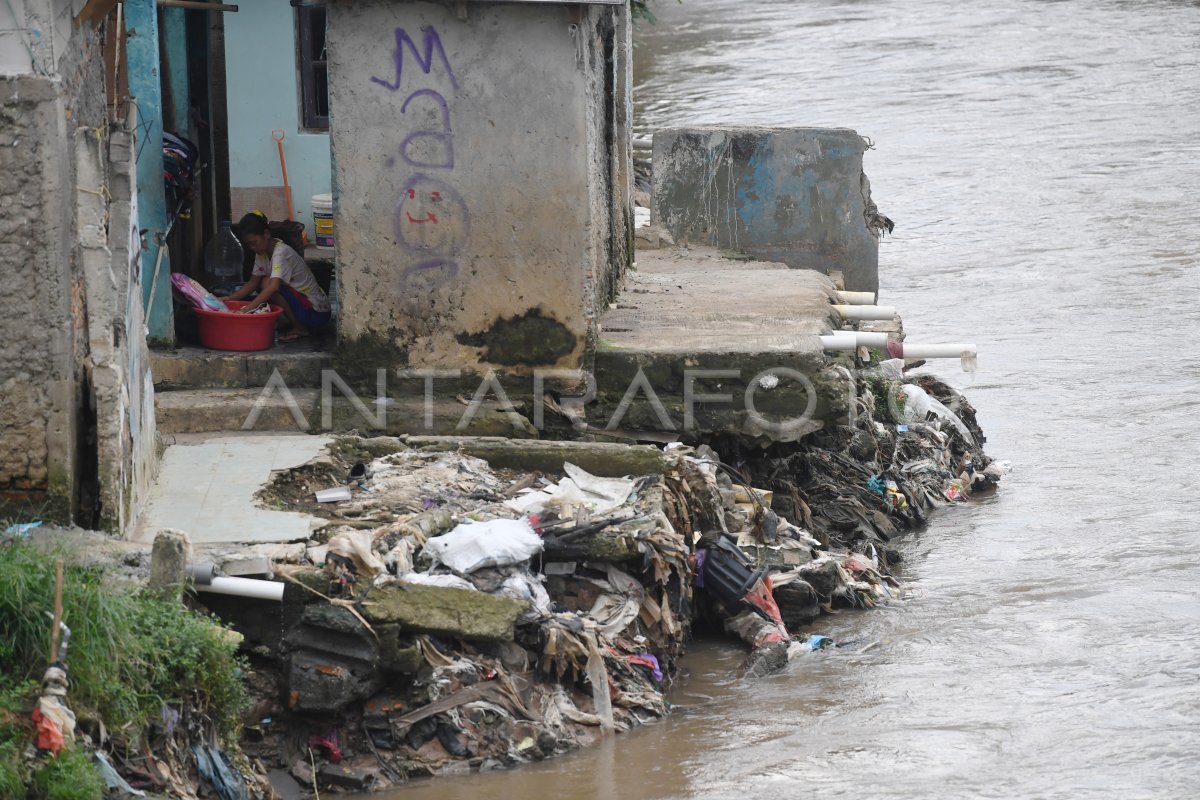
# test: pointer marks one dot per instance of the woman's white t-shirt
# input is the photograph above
(288, 265)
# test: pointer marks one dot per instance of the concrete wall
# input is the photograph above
(35, 35)
(480, 193)
(117, 361)
(77, 438)
(263, 94)
(795, 195)
(38, 336)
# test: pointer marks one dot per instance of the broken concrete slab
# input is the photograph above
(444, 611)
(207, 487)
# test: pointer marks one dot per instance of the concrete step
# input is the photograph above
(213, 410)
(209, 410)
(198, 368)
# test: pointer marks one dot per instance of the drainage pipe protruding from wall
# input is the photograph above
(840, 342)
(852, 340)
(865, 312)
(203, 575)
(906, 350)
(857, 298)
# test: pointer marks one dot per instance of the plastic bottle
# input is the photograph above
(223, 257)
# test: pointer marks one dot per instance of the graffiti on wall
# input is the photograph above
(430, 218)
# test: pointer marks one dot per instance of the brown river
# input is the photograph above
(1041, 161)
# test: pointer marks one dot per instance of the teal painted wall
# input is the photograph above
(141, 16)
(263, 94)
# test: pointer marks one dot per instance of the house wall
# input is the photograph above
(263, 94)
(477, 180)
(796, 195)
(77, 435)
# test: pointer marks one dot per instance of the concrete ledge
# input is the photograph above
(407, 415)
(208, 410)
(698, 326)
(199, 368)
(604, 459)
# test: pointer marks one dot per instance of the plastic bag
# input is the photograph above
(580, 489)
(919, 405)
(892, 370)
(475, 545)
(444, 581)
(358, 546)
(526, 588)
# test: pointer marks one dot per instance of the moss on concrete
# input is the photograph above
(531, 339)
(447, 612)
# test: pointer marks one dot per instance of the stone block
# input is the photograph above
(443, 611)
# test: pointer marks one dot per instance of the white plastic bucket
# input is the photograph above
(322, 211)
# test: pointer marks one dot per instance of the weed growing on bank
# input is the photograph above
(132, 656)
(70, 776)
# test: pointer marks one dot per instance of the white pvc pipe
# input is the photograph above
(244, 587)
(870, 338)
(937, 350)
(838, 341)
(865, 312)
(857, 298)
(852, 340)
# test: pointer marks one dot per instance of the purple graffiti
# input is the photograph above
(432, 45)
(430, 217)
(428, 275)
(431, 138)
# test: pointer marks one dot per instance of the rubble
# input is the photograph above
(479, 603)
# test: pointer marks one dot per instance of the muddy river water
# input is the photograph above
(1041, 161)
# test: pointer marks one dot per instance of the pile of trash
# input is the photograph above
(452, 616)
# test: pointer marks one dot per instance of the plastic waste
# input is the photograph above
(580, 489)
(217, 772)
(524, 586)
(358, 547)
(335, 495)
(727, 574)
(918, 404)
(444, 581)
(112, 780)
(892, 369)
(195, 294)
(475, 545)
(223, 256)
(21, 528)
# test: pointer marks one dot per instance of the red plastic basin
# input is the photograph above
(228, 331)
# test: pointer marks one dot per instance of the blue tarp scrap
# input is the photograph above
(214, 768)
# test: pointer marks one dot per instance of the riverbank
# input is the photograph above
(472, 606)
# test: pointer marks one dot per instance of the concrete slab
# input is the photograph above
(695, 300)
(710, 333)
(207, 488)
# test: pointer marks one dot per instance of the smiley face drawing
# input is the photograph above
(431, 217)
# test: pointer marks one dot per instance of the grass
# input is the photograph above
(131, 654)
(69, 776)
